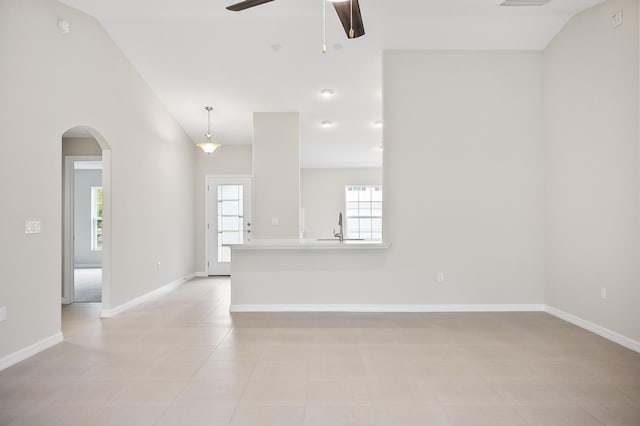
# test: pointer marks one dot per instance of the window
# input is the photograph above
(96, 218)
(364, 212)
(230, 219)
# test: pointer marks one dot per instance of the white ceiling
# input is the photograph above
(195, 53)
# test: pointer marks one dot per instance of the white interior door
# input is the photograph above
(228, 220)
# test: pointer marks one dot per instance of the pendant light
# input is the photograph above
(209, 146)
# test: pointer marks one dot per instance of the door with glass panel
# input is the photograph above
(228, 220)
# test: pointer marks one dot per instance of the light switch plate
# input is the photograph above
(64, 26)
(32, 226)
(617, 19)
(275, 221)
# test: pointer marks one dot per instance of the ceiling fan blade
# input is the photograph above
(246, 5)
(343, 9)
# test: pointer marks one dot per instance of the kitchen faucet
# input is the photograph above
(339, 235)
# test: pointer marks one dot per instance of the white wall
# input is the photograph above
(226, 160)
(463, 181)
(83, 255)
(322, 196)
(463, 175)
(276, 175)
(592, 210)
(50, 83)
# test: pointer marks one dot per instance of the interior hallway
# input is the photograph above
(182, 359)
(87, 285)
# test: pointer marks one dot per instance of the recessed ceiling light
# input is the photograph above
(326, 93)
(326, 123)
(276, 47)
(377, 123)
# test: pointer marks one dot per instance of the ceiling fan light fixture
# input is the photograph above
(348, 12)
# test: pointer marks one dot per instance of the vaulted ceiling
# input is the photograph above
(195, 53)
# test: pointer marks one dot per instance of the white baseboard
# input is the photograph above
(108, 313)
(30, 351)
(595, 328)
(201, 274)
(87, 265)
(387, 308)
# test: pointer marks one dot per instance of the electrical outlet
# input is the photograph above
(275, 221)
(440, 277)
(3, 313)
(603, 292)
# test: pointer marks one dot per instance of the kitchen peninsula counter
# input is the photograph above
(306, 275)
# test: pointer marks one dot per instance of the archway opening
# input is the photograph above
(86, 224)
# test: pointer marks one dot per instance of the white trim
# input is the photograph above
(30, 351)
(618, 338)
(388, 308)
(200, 274)
(87, 266)
(108, 313)
(228, 176)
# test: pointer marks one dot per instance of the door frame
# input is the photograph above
(207, 211)
(69, 231)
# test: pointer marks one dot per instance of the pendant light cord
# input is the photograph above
(351, 32)
(324, 26)
(208, 122)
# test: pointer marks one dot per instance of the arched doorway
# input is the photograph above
(85, 149)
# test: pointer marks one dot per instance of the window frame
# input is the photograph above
(96, 237)
(359, 234)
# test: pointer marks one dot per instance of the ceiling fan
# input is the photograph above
(348, 11)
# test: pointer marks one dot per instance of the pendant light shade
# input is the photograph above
(209, 146)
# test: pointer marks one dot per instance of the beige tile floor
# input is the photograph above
(182, 359)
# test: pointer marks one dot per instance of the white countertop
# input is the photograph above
(310, 245)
